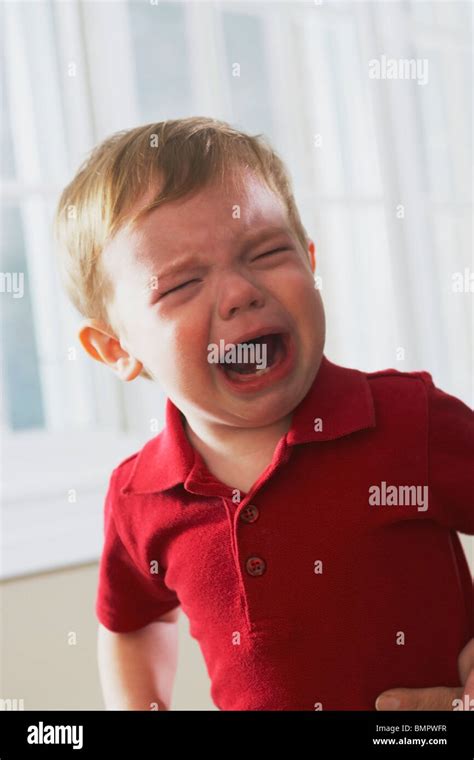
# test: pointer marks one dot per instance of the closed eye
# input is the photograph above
(178, 287)
(270, 253)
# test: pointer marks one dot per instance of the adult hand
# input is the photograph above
(438, 697)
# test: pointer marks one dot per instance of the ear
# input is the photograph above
(100, 343)
(312, 255)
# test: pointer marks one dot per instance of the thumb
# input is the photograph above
(435, 698)
(466, 660)
(469, 687)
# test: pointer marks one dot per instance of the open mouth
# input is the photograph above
(255, 357)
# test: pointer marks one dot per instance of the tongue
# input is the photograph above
(265, 350)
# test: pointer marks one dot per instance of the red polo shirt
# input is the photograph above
(335, 577)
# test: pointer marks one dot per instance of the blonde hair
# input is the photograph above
(180, 157)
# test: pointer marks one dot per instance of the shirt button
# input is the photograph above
(249, 514)
(255, 566)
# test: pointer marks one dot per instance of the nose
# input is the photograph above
(237, 294)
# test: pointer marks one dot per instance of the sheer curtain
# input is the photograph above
(382, 176)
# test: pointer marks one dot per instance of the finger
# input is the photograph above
(466, 661)
(469, 689)
(436, 698)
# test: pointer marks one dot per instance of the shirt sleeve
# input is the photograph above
(128, 597)
(451, 459)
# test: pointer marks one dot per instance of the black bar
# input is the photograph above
(370, 734)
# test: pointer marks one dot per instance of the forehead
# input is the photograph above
(217, 214)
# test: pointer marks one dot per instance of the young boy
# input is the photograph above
(303, 515)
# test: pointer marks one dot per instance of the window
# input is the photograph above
(58, 409)
(381, 172)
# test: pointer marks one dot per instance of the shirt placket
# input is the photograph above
(250, 516)
(246, 519)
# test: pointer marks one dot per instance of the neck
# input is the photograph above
(240, 445)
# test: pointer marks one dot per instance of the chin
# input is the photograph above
(266, 409)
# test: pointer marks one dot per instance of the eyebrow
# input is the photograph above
(190, 263)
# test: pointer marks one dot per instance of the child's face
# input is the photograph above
(226, 290)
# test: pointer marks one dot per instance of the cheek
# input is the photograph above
(184, 342)
(296, 290)
(303, 301)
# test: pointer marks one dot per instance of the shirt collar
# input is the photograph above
(338, 403)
